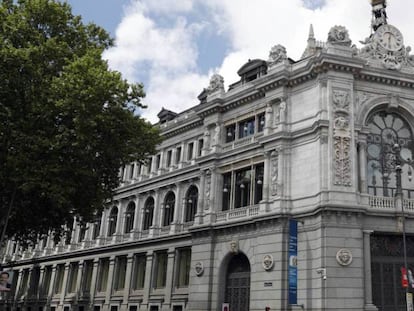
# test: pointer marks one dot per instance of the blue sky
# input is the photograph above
(174, 46)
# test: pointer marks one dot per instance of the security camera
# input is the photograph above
(322, 272)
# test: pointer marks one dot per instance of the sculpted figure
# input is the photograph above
(216, 84)
(277, 55)
(339, 35)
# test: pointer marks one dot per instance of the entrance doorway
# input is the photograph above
(386, 262)
(238, 283)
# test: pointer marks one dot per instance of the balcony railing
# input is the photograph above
(388, 203)
(238, 213)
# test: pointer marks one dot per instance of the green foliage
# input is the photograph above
(67, 122)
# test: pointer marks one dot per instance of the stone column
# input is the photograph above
(210, 192)
(173, 159)
(65, 283)
(155, 221)
(369, 306)
(363, 167)
(152, 169)
(119, 223)
(268, 128)
(137, 217)
(148, 278)
(177, 208)
(103, 229)
(267, 177)
(18, 284)
(206, 144)
(79, 281)
(41, 290)
(52, 283)
(199, 214)
(163, 161)
(169, 282)
(94, 279)
(110, 280)
(128, 279)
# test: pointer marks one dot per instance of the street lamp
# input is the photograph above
(400, 204)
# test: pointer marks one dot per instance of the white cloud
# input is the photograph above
(167, 58)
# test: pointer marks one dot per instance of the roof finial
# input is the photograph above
(379, 15)
(311, 33)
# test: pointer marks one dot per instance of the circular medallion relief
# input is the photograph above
(268, 262)
(344, 257)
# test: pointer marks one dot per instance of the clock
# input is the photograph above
(389, 37)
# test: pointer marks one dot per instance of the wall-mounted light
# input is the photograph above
(259, 182)
(242, 186)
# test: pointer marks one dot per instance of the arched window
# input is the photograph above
(148, 213)
(129, 217)
(191, 200)
(113, 217)
(169, 204)
(97, 225)
(389, 134)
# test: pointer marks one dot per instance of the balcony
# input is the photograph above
(388, 204)
(238, 213)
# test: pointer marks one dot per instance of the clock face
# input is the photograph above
(389, 37)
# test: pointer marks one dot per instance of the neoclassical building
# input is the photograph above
(291, 190)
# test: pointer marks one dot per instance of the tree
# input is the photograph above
(67, 122)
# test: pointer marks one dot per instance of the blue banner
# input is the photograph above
(293, 262)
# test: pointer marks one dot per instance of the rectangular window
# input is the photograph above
(184, 264)
(230, 133)
(34, 281)
(133, 308)
(246, 128)
(160, 275)
(227, 186)
(103, 274)
(131, 171)
(46, 280)
(96, 308)
(200, 147)
(138, 280)
(158, 163)
(87, 281)
(149, 164)
(190, 151)
(258, 188)
(261, 122)
(120, 272)
(178, 157)
(114, 308)
(73, 276)
(242, 189)
(169, 157)
(60, 271)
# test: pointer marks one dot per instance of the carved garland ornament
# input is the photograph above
(342, 139)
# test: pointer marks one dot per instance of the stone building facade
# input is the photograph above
(205, 223)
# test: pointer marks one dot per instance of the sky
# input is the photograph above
(174, 46)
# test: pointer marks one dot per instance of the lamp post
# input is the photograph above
(400, 204)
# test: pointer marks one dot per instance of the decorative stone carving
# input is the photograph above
(268, 262)
(216, 84)
(344, 257)
(207, 189)
(234, 246)
(342, 139)
(274, 172)
(338, 35)
(387, 47)
(216, 137)
(341, 100)
(277, 55)
(206, 145)
(199, 268)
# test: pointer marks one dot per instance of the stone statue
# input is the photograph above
(216, 84)
(277, 55)
(338, 35)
